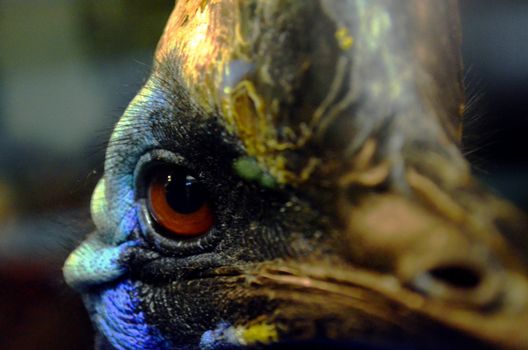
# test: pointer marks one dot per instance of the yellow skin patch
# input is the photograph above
(247, 115)
(344, 39)
(207, 45)
(261, 333)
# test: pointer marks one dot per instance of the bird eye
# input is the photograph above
(178, 203)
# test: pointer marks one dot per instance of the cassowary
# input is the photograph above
(290, 176)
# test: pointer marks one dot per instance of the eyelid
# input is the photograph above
(160, 243)
(149, 160)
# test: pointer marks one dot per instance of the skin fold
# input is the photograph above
(327, 134)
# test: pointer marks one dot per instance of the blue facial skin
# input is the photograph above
(97, 267)
(117, 313)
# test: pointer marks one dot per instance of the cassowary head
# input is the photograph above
(290, 176)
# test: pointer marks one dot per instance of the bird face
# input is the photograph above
(290, 176)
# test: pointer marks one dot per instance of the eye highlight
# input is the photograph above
(178, 202)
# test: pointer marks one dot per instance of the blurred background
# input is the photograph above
(68, 69)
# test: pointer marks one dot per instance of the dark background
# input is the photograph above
(496, 57)
(68, 69)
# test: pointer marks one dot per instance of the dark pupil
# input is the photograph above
(184, 193)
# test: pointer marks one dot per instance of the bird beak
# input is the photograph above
(436, 261)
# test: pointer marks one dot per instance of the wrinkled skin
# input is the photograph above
(367, 228)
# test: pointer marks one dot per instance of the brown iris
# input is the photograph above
(178, 202)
